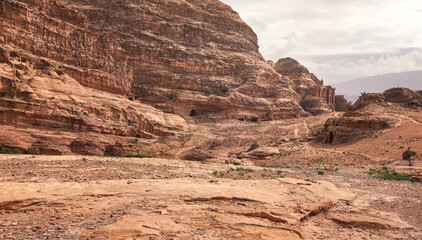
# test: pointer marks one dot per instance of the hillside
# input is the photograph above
(351, 89)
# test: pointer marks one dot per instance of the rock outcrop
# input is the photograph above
(349, 129)
(341, 103)
(315, 97)
(192, 58)
(370, 98)
(367, 115)
(80, 67)
(404, 96)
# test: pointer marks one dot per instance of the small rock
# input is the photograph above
(164, 212)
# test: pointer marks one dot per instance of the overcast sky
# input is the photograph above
(338, 39)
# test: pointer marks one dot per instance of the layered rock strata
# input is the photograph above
(192, 58)
(315, 97)
(80, 67)
(367, 116)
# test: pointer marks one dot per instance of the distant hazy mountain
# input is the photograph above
(353, 88)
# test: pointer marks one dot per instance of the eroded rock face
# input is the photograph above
(36, 94)
(193, 56)
(349, 129)
(80, 66)
(341, 103)
(404, 96)
(370, 98)
(315, 97)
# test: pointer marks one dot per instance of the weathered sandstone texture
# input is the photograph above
(341, 103)
(191, 58)
(368, 115)
(404, 96)
(70, 69)
(315, 97)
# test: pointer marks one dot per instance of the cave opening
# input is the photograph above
(193, 113)
(331, 138)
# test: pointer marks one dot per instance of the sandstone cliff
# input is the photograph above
(80, 67)
(192, 58)
(315, 97)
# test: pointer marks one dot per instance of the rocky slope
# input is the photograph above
(80, 67)
(315, 97)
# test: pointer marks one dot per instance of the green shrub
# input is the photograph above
(253, 147)
(218, 92)
(321, 172)
(30, 151)
(235, 163)
(172, 97)
(138, 156)
(17, 151)
(6, 150)
(387, 174)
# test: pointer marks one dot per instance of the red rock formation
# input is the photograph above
(341, 103)
(77, 65)
(315, 97)
(193, 55)
(404, 96)
(153, 50)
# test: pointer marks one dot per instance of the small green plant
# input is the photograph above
(392, 175)
(279, 172)
(320, 172)
(215, 172)
(235, 163)
(6, 150)
(218, 92)
(221, 174)
(17, 151)
(172, 97)
(30, 151)
(138, 155)
(275, 166)
(253, 147)
(408, 154)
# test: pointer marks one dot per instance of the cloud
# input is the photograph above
(338, 39)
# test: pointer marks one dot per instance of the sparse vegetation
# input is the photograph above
(254, 146)
(30, 151)
(138, 156)
(235, 163)
(172, 96)
(17, 151)
(6, 150)
(320, 172)
(392, 175)
(218, 92)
